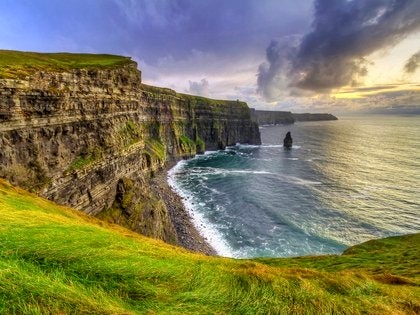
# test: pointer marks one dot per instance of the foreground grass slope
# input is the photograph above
(56, 260)
(19, 64)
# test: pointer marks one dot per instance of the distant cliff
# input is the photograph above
(91, 137)
(266, 117)
(313, 117)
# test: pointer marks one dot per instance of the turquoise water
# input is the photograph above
(343, 182)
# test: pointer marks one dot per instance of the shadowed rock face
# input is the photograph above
(80, 138)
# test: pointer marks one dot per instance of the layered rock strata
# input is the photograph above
(92, 139)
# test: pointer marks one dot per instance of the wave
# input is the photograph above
(245, 146)
(208, 171)
(209, 153)
(298, 180)
(245, 172)
(208, 230)
(205, 171)
(265, 146)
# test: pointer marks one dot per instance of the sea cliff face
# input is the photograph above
(92, 139)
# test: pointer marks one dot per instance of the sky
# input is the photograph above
(339, 56)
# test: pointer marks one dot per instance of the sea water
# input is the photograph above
(343, 182)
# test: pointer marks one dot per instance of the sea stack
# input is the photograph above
(288, 141)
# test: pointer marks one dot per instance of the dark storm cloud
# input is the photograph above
(224, 28)
(334, 53)
(274, 75)
(413, 63)
(151, 29)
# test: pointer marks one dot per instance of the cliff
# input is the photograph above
(83, 131)
(267, 117)
(313, 117)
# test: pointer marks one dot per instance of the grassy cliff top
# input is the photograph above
(197, 100)
(54, 260)
(19, 64)
(204, 100)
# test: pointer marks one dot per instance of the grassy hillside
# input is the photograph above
(19, 64)
(54, 260)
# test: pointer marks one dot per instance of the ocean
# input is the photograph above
(343, 182)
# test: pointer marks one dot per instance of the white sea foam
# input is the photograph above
(206, 171)
(272, 146)
(209, 153)
(206, 229)
(263, 146)
(245, 146)
(245, 172)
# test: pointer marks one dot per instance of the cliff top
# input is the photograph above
(19, 64)
(193, 98)
(57, 260)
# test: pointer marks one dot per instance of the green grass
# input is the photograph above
(130, 133)
(156, 149)
(187, 145)
(215, 105)
(398, 256)
(194, 100)
(200, 145)
(85, 159)
(19, 64)
(54, 260)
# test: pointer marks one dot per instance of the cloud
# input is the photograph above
(335, 53)
(160, 14)
(413, 63)
(273, 75)
(227, 78)
(371, 89)
(199, 88)
(375, 88)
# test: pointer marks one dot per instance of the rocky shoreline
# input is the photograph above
(188, 235)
